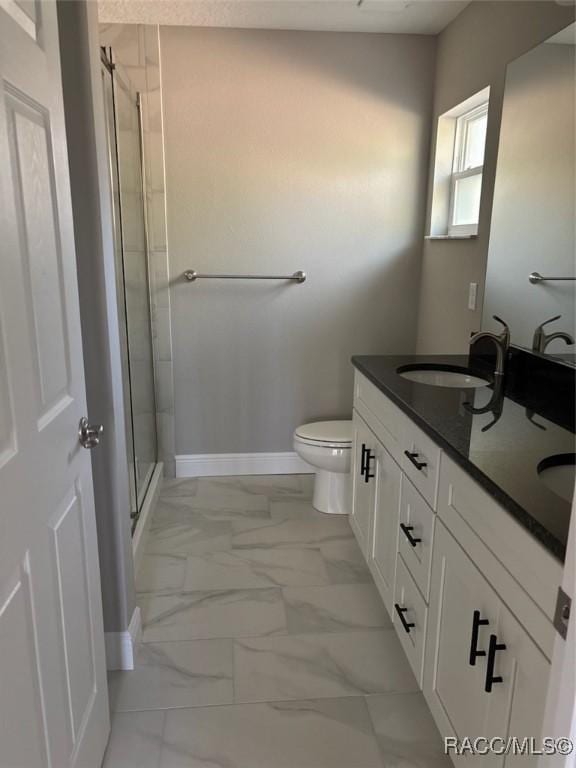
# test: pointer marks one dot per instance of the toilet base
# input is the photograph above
(331, 492)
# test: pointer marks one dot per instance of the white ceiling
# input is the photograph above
(398, 16)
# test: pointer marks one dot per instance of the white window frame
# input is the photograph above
(459, 171)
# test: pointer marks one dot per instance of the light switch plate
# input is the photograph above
(472, 293)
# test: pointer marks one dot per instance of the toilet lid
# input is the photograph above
(326, 432)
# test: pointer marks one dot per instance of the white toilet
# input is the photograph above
(327, 446)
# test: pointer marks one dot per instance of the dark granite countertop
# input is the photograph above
(502, 456)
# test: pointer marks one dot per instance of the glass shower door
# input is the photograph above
(133, 282)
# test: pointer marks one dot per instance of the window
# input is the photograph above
(467, 167)
(458, 167)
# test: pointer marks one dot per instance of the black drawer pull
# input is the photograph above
(366, 457)
(491, 678)
(413, 457)
(477, 622)
(406, 624)
(406, 530)
(370, 456)
(363, 459)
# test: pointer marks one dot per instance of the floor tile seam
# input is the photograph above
(283, 635)
(194, 707)
(372, 726)
(182, 591)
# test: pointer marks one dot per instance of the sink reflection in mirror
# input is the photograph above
(520, 446)
(530, 276)
(558, 473)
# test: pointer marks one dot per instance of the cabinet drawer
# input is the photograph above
(386, 420)
(409, 618)
(421, 461)
(416, 535)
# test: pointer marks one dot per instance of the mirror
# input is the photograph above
(533, 216)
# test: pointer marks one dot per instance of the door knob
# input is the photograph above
(89, 434)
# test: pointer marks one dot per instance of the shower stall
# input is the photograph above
(127, 177)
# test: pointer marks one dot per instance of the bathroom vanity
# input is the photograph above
(464, 537)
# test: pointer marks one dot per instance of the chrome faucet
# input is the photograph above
(501, 342)
(542, 339)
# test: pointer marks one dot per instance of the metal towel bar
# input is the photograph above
(191, 275)
(536, 277)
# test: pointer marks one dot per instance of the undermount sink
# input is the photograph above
(558, 473)
(442, 376)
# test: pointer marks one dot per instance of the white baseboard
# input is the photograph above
(219, 464)
(121, 646)
(143, 524)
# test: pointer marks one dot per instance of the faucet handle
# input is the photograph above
(546, 322)
(506, 332)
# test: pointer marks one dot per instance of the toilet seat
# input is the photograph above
(328, 434)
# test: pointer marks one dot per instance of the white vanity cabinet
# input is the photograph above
(484, 674)
(363, 485)
(470, 592)
(384, 544)
(376, 498)
(390, 516)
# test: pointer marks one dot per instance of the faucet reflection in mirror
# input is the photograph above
(542, 339)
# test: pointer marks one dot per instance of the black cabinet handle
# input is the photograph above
(363, 459)
(366, 457)
(406, 624)
(491, 678)
(477, 622)
(413, 457)
(406, 530)
(370, 456)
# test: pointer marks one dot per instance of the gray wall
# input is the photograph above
(473, 52)
(285, 151)
(93, 231)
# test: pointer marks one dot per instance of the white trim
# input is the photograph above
(143, 524)
(121, 646)
(222, 464)
(469, 104)
(20, 16)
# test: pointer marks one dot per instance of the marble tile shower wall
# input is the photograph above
(265, 643)
(136, 51)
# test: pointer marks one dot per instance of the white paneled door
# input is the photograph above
(53, 697)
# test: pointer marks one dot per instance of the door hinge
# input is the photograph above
(562, 613)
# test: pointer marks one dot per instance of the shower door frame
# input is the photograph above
(146, 485)
(139, 490)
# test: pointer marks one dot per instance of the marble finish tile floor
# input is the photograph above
(265, 643)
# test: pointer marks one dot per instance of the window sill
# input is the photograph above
(450, 237)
